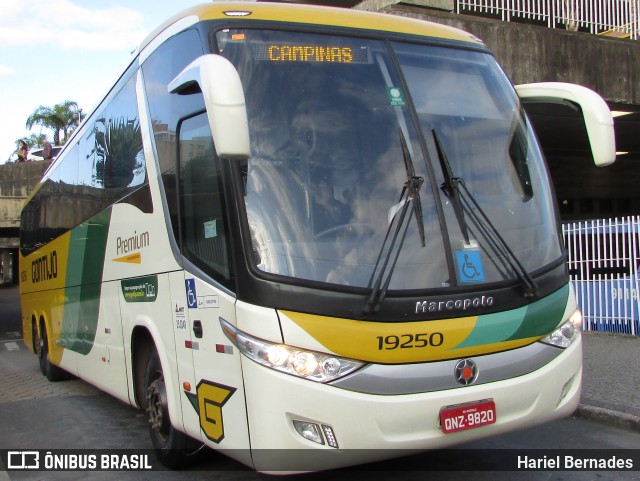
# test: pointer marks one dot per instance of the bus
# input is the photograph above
(308, 238)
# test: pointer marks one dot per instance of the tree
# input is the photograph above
(62, 117)
(117, 148)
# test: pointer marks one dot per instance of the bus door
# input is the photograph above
(218, 385)
(216, 394)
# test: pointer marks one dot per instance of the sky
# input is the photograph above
(57, 50)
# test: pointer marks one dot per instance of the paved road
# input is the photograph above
(10, 324)
(36, 414)
(612, 378)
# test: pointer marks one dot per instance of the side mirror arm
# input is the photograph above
(220, 84)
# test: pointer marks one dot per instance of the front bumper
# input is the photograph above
(370, 427)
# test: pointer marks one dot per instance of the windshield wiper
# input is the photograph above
(410, 195)
(450, 188)
(463, 202)
(415, 189)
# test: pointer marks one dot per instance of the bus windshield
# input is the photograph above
(356, 141)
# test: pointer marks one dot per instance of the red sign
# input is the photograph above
(467, 416)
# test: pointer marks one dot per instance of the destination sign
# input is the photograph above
(310, 53)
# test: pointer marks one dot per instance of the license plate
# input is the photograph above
(467, 416)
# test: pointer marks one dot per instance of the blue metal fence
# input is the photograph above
(603, 258)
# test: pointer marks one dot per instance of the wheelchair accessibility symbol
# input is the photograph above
(470, 267)
(190, 288)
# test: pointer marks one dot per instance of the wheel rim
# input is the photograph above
(41, 339)
(157, 408)
(37, 340)
(43, 353)
(40, 347)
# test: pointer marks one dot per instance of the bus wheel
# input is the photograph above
(171, 446)
(53, 372)
(36, 342)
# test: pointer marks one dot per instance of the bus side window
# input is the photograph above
(203, 227)
(166, 109)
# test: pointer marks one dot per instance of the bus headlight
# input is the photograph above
(565, 333)
(303, 363)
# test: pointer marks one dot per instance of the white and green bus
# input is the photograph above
(295, 229)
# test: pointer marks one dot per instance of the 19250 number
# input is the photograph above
(408, 341)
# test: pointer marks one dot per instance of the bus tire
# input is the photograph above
(51, 371)
(172, 447)
(35, 337)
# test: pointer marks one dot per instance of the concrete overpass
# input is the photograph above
(16, 182)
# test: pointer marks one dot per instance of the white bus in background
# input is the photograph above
(300, 228)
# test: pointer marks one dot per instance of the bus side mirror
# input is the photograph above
(220, 84)
(595, 111)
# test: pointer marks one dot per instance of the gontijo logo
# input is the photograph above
(44, 268)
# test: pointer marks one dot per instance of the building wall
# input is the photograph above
(16, 183)
(532, 53)
(18, 179)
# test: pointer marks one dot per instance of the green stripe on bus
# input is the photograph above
(543, 317)
(535, 320)
(85, 266)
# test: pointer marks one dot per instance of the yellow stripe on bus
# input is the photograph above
(135, 258)
(42, 287)
(398, 342)
(386, 342)
(323, 16)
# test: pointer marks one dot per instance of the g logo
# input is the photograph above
(211, 398)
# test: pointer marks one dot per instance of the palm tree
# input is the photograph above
(117, 150)
(62, 117)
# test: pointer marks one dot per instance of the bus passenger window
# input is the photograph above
(203, 228)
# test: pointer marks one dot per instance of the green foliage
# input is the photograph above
(61, 118)
(117, 149)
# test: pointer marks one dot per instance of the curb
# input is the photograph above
(608, 416)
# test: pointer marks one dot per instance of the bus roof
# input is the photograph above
(318, 15)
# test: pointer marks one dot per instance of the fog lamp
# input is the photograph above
(308, 430)
(314, 432)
